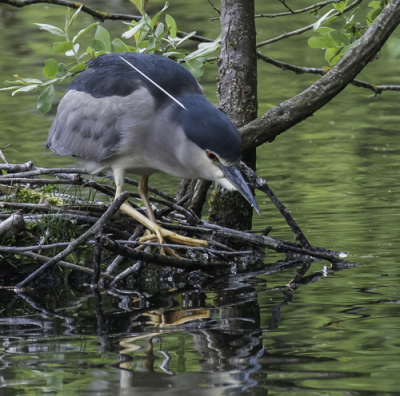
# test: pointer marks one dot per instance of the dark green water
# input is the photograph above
(338, 174)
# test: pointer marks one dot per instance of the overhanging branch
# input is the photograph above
(292, 111)
(376, 88)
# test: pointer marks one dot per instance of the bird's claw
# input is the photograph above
(161, 233)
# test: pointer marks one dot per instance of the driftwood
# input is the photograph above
(118, 233)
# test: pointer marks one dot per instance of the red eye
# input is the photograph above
(211, 156)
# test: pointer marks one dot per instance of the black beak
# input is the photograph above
(233, 174)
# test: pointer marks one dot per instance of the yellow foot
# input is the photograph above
(161, 233)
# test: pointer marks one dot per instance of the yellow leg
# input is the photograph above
(151, 225)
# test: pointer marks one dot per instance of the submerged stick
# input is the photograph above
(61, 263)
(135, 254)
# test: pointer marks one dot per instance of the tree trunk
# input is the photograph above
(237, 93)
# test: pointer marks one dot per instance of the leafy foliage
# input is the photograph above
(338, 42)
(149, 35)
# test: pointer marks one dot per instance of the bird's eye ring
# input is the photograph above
(211, 156)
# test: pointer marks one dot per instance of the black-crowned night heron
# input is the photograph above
(141, 113)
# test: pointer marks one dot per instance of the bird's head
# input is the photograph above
(213, 146)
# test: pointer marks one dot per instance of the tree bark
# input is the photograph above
(282, 117)
(237, 93)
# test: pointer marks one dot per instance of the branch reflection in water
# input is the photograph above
(204, 332)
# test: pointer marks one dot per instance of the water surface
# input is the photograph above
(335, 334)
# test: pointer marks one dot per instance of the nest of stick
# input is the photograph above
(59, 226)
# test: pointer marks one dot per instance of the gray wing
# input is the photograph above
(93, 127)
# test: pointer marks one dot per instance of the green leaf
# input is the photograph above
(18, 82)
(339, 37)
(73, 51)
(160, 30)
(103, 36)
(9, 88)
(155, 18)
(83, 31)
(205, 49)
(353, 39)
(372, 15)
(62, 70)
(50, 69)
(340, 6)
(346, 49)
(324, 31)
(52, 29)
(132, 31)
(321, 42)
(164, 33)
(140, 36)
(26, 88)
(46, 99)
(180, 54)
(195, 67)
(120, 46)
(152, 43)
(140, 5)
(63, 46)
(335, 56)
(172, 25)
(31, 80)
(23, 81)
(71, 21)
(90, 52)
(185, 38)
(329, 53)
(79, 67)
(98, 45)
(374, 4)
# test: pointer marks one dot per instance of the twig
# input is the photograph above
(39, 171)
(312, 8)
(214, 8)
(15, 167)
(304, 29)
(11, 180)
(116, 247)
(14, 222)
(175, 246)
(284, 3)
(124, 274)
(262, 185)
(17, 250)
(257, 240)
(2, 155)
(97, 263)
(61, 263)
(138, 232)
(376, 88)
(79, 241)
(102, 16)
